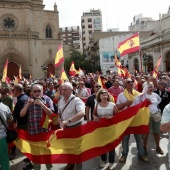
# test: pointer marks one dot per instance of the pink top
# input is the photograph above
(116, 90)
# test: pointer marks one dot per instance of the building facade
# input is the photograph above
(72, 36)
(90, 21)
(29, 36)
(154, 46)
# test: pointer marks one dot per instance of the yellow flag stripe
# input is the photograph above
(76, 146)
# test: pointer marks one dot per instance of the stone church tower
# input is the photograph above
(29, 36)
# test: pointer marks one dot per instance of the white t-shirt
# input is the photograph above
(75, 106)
(155, 99)
(105, 111)
(122, 99)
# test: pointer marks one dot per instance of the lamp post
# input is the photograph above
(44, 68)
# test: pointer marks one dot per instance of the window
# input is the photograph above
(89, 26)
(48, 32)
(89, 20)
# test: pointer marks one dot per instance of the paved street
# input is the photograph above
(157, 161)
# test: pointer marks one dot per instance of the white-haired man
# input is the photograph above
(35, 107)
(72, 111)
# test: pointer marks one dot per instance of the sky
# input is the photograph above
(115, 14)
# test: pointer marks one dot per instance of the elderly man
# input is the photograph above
(72, 111)
(130, 97)
(35, 107)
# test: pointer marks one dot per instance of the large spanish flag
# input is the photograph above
(59, 56)
(130, 45)
(72, 71)
(4, 75)
(155, 70)
(76, 145)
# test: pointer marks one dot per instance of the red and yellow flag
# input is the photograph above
(51, 75)
(130, 45)
(20, 72)
(59, 56)
(155, 70)
(120, 71)
(63, 75)
(79, 144)
(30, 76)
(72, 71)
(4, 75)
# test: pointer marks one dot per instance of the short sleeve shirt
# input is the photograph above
(35, 115)
(5, 114)
(76, 105)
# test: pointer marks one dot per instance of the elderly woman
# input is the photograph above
(155, 125)
(105, 109)
(82, 91)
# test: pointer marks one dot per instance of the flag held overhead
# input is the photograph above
(130, 45)
(59, 56)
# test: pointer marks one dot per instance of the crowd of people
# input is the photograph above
(83, 97)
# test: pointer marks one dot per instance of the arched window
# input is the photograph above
(48, 32)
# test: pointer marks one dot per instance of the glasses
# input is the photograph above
(36, 91)
(98, 86)
(130, 82)
(103, 92)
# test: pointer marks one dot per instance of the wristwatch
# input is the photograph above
(69, 120)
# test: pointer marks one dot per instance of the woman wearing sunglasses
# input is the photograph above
(105, 109)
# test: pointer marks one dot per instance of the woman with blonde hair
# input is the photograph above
(105, 109)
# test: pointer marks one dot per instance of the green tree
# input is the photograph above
(79, 61)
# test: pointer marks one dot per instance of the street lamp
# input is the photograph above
(44, 68)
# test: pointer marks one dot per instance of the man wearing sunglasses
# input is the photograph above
(130, 97)
(37, 106)
(90, 103)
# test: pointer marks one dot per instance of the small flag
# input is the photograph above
(130, 45)
(155, 70)
(16, 80)
(59, 56)
(72, 71)
(63, 75)
(4, 76)
(51, 75)
(30, 76)
(20, 73)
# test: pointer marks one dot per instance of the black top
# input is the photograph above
(165, 96)
(21, 100)
(108, 84)
(91, 103)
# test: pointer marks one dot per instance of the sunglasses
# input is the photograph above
(36, 91)
(103, 92)
(97, 86)
(130, 82)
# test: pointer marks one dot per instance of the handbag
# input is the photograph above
(12, 135)
(156, 116)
